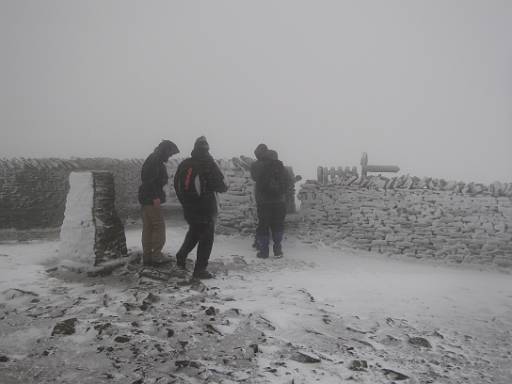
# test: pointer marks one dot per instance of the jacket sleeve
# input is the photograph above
(253, 171)
(217, 182)
(256, 170)
(149, 176)
(290, 180)
(175, 180)
(287, 180)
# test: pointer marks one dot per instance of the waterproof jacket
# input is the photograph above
(153, 176)
(258, 169)
(204, 209)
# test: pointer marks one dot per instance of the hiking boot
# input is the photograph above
(278, 250)
(202, 275)
(146, 260)
(181, 262)
(155, 261)
(262, 255)
(160, 259)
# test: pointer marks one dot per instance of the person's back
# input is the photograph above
(271, 187)
(196, 182)
(197, 179)
(257, 166)
(272, 182)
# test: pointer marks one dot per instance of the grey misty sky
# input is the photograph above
(426, 85)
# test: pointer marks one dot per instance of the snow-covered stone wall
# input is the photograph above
(92, 232)
(237, 213)
(460, 222)
(33, 193)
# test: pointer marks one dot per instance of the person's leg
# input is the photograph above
(204, 247)
(158, 238)
(190, 241)
(255, 242)
(277, 227)
(146, 234)
(262, 231)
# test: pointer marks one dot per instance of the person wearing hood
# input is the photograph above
(151, 196)
(272, 184)
(197, 181)
(256, 167)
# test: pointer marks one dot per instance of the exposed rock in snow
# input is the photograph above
(420, 342)
(66, 327)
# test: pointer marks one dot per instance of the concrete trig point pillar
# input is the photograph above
(91, 233)
(365, 168)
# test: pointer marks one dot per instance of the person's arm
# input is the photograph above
(253, 170)
(149, 176)
(287, 180)
(176, 182)
(256, 168)
(175, 179)
(217, 180)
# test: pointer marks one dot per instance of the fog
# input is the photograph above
(425, 85)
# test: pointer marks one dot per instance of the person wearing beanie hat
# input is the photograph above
(272, 184)
(151, 196)
(201, 143)
(197, 181)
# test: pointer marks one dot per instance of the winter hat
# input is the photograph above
(201, 143)
(260, 151)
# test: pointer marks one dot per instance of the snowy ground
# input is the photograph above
(317, 315)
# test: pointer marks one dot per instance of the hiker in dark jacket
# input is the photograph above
(151, 196)
(197, 180)
(271, 188)
(260, 153)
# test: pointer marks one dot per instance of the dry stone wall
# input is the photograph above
(237, 213)
(33, 193)
(424, 218)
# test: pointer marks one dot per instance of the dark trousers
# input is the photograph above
(200, 234)
(270, 220)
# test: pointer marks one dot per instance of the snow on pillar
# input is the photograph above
(91, 232)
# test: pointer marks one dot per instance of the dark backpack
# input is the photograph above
(272, 182)
(188, 184)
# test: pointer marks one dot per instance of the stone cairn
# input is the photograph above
(418, 217)
(92, 233)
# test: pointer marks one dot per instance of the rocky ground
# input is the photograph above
(249, 325)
